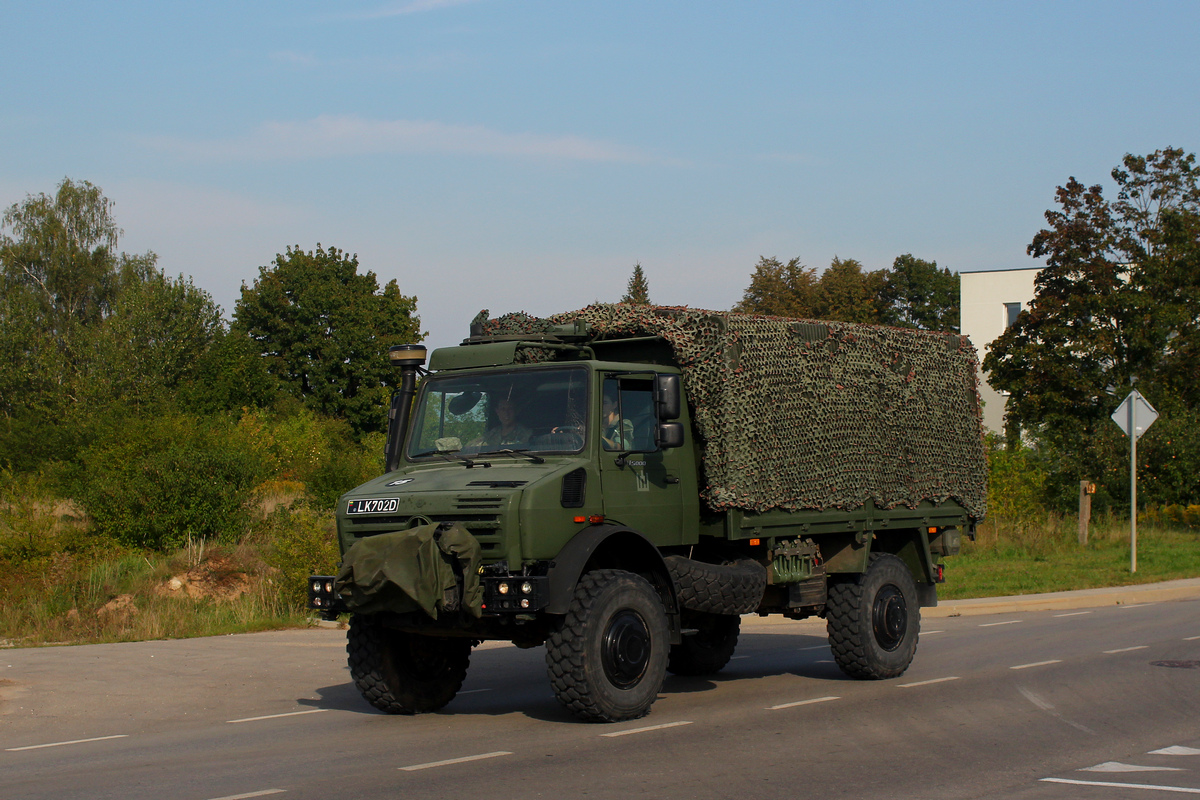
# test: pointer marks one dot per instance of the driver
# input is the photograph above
(505, 430)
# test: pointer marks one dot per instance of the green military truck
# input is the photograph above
(622, 483)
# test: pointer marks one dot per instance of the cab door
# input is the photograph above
(642, 484)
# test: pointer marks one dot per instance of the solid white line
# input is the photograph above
(261, 793)
(60, 744)
(277, 716)
(1038, 664)
(1126, 649)
(450, 761)
(1190, 638)
(926, 683)
(1006, 622)
(1181, 789)
(650, 728)
(1073, 614)
(802, 703)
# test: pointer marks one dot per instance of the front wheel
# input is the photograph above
(405, 673)
(873, 621)
(608, 658)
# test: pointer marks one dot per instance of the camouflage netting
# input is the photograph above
(806, 414)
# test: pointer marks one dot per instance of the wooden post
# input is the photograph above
(1085, 509)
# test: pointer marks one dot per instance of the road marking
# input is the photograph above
(261, 793)
(474, 691)
(449, 761)
(818, 647)
(803, 703)
(930, 633)
(1181, 789)
(649, 728)
(735, 658)
(1073, 614)
(60, 744)
(1175, 750)
(1038, 664)
(1126, 649)
(1118, 766)
(1190, 638)
(277, 716)
(1137, 605)
(1006, 622)
(926, 683)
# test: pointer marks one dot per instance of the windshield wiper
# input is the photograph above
(507, 452)
(451, 457)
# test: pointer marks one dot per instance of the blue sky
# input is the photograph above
(517, 155)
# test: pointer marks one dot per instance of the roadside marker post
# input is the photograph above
(1134, 416)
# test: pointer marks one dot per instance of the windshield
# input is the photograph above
(539, 410)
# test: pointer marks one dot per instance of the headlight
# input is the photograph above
(526, 587)
(503, 589)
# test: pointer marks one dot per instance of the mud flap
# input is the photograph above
(433, 568)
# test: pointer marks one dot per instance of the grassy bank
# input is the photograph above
(1046, 557)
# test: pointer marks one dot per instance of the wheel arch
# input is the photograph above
(609, 547)
(911, 546)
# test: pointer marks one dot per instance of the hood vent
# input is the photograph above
(574, 488)
(498, 484)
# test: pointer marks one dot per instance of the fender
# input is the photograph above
(613, 546)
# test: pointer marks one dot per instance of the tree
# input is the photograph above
(1116, 307)
(916, 294)
(847, 294)
(638, 290)
(780, 290)
(325, 330)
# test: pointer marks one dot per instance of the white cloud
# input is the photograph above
(333, 136)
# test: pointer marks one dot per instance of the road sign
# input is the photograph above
(1135, 414)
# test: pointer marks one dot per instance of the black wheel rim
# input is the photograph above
(889, 617)
(625, 650)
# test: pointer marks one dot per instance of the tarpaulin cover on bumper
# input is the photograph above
(433, 568)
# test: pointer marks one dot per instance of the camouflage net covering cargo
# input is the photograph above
(807, 414)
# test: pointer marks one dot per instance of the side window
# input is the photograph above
(627, 415)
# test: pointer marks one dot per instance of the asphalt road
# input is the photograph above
(1050, 704)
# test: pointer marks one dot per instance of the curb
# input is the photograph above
(1186, 589)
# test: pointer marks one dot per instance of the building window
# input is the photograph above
(1011, 312)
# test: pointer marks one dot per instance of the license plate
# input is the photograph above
(381, 505)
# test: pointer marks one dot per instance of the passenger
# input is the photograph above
(505, 430)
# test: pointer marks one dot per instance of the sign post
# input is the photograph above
(1134, 416)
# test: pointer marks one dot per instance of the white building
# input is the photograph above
(990, 302)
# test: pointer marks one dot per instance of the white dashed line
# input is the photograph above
(473, 691)
(737, 658)
(1038, 664)
(1113, 784)
(60, 744)
(1073, 614)
(247, 795)
(818, 647)
(648, 728)
(1137, 605)
(449, 761)
(926, 683)
(1190, 638)
(1175, 750)
(1006, 622)
(802, 703)
(1126, 649)
(930, 633)
(277, 716)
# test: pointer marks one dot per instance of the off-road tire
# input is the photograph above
(728, 589)
(608, 657)
(708, 650)
(874, 620)
(405, 673)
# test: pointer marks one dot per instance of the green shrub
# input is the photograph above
(299, 542)
(159, 482)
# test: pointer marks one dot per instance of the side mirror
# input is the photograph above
(667, 396)
(668, 435)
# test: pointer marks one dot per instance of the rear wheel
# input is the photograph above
(405, 673)
(709, 649)
(874, 620)
(608, 658)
